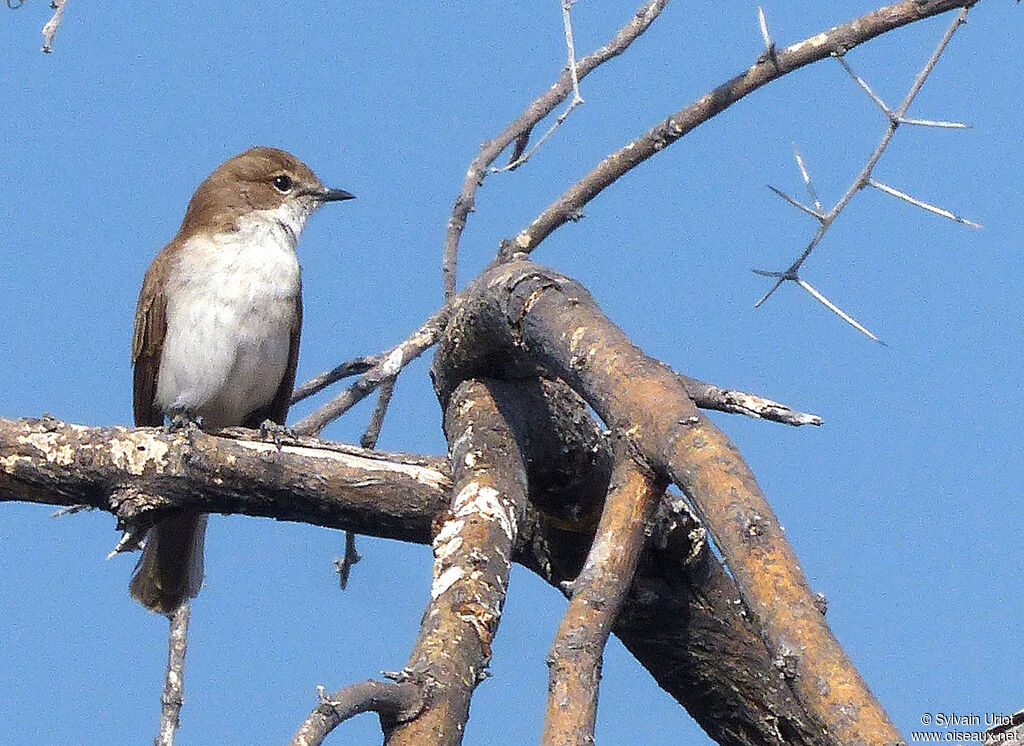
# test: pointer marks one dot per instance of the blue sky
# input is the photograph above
(903, 508)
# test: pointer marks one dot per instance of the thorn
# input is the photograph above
(778, 283)
(807, 181)
(70, 510)
(769, 44)
(836, 310)
(935, 123)
(867, 89)
(798, 205)
(920, 203)
(130, 540)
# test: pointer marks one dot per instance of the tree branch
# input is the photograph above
(393, 701)
(597, 595)
(767, 68)
(140, 474)
(526, 316)
(174, 680)
(520, 127)
(472, 560)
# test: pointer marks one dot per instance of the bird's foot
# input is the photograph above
(277, 433)
(178, 421)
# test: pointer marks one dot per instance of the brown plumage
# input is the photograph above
(217, 307)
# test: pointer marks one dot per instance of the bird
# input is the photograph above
(216, 335)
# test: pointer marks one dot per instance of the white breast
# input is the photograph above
(230, 305)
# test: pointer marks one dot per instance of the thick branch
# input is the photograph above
(472, 560)
(679, 620)
(597, 595)
(136, 474)
(530, 316)
(766, 69)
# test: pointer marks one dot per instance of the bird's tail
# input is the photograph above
(171, 567)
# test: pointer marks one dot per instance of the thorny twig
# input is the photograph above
(568, 207)
(826, 219)
(519, 128)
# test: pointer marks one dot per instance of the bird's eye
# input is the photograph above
(282, 183)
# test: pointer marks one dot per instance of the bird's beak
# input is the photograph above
(335, 195)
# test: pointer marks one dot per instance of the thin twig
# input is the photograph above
(368, 441)
(516, 130)
(50, 29)
(344, 565)
(174, 681)
(349, 368)
(389, 365)
(845, 36)
(394, 701)
(519, 157)
(864, 177)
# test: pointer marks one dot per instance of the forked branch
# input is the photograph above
(524, 316)
(395, 703)
(522, 125)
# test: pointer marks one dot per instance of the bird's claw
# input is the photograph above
(277, 433)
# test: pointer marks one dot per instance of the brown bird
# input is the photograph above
(217, 331)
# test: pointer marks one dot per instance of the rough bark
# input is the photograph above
(526, 320)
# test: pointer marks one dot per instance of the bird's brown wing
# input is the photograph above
(277, 409)
(148, 342)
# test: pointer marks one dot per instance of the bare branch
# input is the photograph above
(174, 679)
(709, 396)
(50, 29)
(835, 40)
(346, 369)
(140, 474)
(518, 157)
(683, 630)
(534, 316)
(389, 364)
(598, 592)
(393, 701)
(472, 559)
(524, 123)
